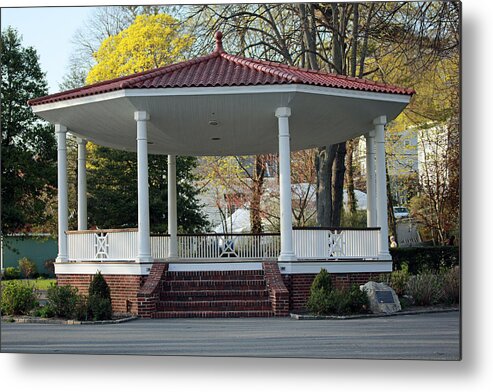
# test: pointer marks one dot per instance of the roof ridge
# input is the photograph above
(331, 74)
(129, 80)
(262, 66)
(167, 68)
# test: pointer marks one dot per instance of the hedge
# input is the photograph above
(426, 258)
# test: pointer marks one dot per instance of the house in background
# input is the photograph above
(402, 149)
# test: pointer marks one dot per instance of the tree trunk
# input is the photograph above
(338, 183)
(323, 164)
(258, 175)
(351, 197)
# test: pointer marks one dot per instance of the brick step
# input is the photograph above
(214, 295)
(213, 314)
(188, 285)
(230, 305)
(219, 278)
(215, 275)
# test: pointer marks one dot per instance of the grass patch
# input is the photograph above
(39, 284)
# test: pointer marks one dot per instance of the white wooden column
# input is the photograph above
(61, 135)
(172, 210)
(381, 188)
(81, 185)
(371, 210)
(287, 253)
(143, 237)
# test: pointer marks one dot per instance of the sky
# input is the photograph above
(49, 30)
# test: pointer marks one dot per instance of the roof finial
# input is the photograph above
(219, 42)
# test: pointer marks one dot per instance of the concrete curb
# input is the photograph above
(360, 316)
(30, 320)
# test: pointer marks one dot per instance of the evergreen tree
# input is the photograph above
(28, 144)
(112, 182)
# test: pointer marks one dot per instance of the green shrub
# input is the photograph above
(99, 301)
(343, 302)
(318, 302)
(425, 288)
(11, 273)
(27, 268)
(64, 301)
(45, 312)
(450, 282)
(18, 298)
(358, 300)
(98, 308)
(324, 300)
(99, 287)
(425, 258)
(398, 280)
(322, 281)
(319, 291)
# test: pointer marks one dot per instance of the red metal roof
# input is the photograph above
(220, 69)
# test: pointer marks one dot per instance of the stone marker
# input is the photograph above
(383, 298)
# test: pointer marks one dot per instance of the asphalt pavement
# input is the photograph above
(434, 336)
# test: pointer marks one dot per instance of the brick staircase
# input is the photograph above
(207, 294)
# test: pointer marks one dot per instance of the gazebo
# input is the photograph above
(221, 104)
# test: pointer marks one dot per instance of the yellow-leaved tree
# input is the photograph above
(151, 41)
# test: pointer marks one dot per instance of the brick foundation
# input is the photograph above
(148, 296)
(123, 289)
(278, 293)
(299, 285)
(141, 295)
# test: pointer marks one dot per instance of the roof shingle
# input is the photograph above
(221, 69)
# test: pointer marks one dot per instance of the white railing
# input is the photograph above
(308, 244)
(159, 246)
(102, 245)
(219, 246)
(335, 243)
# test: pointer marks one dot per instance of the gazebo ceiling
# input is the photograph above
(222, 104)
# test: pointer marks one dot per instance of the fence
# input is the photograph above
(308, 244)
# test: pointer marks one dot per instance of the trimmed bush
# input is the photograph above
(18, 298)
(99, 287)
(324, 300)
(352, 301)
(322, 281)
(98, 308)
(318, 302)
(319, 292)
(426, 258)
(99, 301)
(358, 300)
